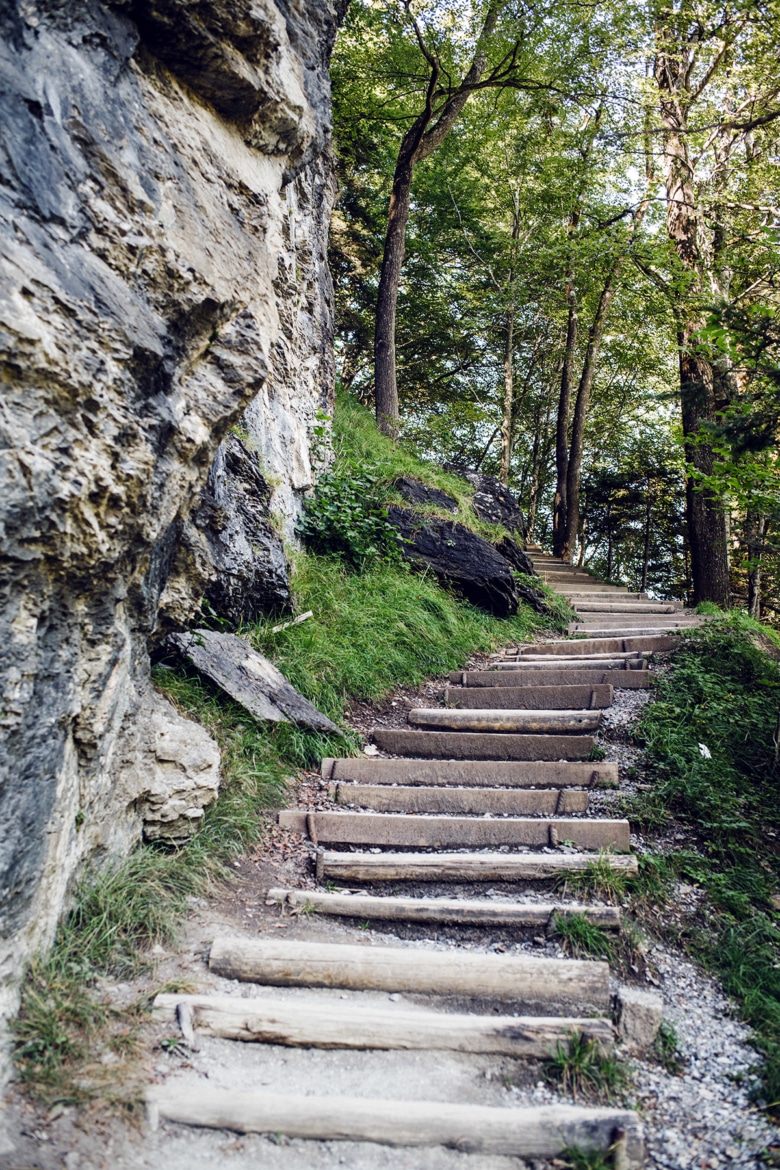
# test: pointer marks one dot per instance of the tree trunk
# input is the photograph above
(509, 396)
(705, 515)
(560, 507)
(385, 385)
(574, 461)
(646, 549)
(426, 134)
(755, 531)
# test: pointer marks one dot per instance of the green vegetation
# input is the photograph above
(582, 938)
(581, 1068)
(709, 742)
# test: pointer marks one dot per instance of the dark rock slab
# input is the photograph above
(492, 500)
(510, 550)
(251, 574)
(459, 558)
(420, 493)
(249, 678)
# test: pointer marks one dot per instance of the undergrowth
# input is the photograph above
(709, 748)
(580, 1067)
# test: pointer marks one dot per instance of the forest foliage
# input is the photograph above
(603, 210)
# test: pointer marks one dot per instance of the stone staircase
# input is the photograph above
(491, 792)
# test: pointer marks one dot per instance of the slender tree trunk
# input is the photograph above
(646, 549)
(705, 515)
(560, 506)
(574, 461)
(426, 134)
(755, 531)
(509, 395)
(386, 388)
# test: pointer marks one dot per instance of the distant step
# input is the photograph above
(601, 629)
(616, 605)
(490, 773)
(462, 867)
(498, 720)
(312, 1023)
(529, 698)
(559, 662)
(442, 832)
(612, 644)
(467, 974)
(474, 745)
(465, 911)
(554, 677)
(477, 801)
(541, 1132)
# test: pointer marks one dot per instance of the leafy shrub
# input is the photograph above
(346, 517)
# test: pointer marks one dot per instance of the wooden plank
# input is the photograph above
(466, 911)
(635, 679)
(249, 678)
(476, 773)
(586, 606)
(479, 801)
(302, 1023)
(437, 832)
(461, 867)
(466, 745)
(498, 720)
(519, 978)
(531, 697)
(574, 663)
(532, 1132)
(609, 645)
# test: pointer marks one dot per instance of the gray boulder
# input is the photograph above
(250, 571)
(493, 501)
(417, 492)
(459, 558)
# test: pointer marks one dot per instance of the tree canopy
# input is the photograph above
(587, 286)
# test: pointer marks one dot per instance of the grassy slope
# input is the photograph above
(723, 692)
(372, 631)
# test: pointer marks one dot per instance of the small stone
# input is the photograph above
(639, 1015)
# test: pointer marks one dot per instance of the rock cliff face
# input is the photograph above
(166, 188)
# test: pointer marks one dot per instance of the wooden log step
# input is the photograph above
(575, 653)
(585, 605)
(610, 645)
(298, 1023)
(554, 677)
(475, 745)
(538, 1132)
(529, 698)
(477, 773)
(498, 720)
(461, 867)
(477, 801)
(602, 630)
(467, 974)
(558, 662)
(465, 911)
(627, 623)
(440, 832)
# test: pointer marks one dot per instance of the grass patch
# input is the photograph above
(581, 1068)
(582, 938)
(709, 747)
(599, 880)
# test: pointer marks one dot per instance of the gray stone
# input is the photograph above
(251, 574)
(639, 1015)
(459, 558)
(492, 499)
(184, 777)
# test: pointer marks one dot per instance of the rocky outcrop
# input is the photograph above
(419, 493)
(459, 558)
(492, 499)
(166, 191)
(251, 574)
(510, 550)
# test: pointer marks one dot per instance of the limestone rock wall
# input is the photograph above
(165, 189)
